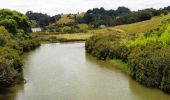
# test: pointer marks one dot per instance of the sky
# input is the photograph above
(53, 7)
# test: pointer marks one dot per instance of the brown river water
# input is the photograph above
(64, 72)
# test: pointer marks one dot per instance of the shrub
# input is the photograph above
(101, 50)
(66, 29)
(2, 40)
(148, 55)
(106, 46)
(4, 36)
(165, 37)
(165, 84)
(14, 21)
(90, 43)
(148, 62)
(10, 67)
(28, 45)
(83, 27)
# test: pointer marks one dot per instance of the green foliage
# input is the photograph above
(83, 27)
(10, 67)
(4, 36)
(165, 37)
(122, 15)
(28, 45)
(148, 62)
(107, 47)
(22, 36)
(2, 40)
(10, 61)
(165, 84)
(39, 18)
(120, 65)
(34, 23)
(66, 29)
(14, 21)
(10, 52)
(148, 55)
(9, 24)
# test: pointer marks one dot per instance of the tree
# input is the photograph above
(14, 21)
(122, 10)
(42, 19)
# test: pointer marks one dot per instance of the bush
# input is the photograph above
(101, 50)
(107, 46)
(148, 62)
(2, 40)
(14, 21)
(165, 84)
(83, 27)
(10, 67)
(28, 45)
(66, 29)
(148, 56)
(4, 36)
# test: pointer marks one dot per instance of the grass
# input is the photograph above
(67, 18)
(120, 65)
(47, 37)
(138, 27)
(74, 36)
(143, 26)
(126, 31)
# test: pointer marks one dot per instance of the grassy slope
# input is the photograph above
(143, 26)
(138, 27)
(66, 18)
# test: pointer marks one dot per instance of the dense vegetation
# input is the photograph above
(147, 56)
(93, 18)
(122, 15)
(41, 20)
(14, 41)
(14, 21)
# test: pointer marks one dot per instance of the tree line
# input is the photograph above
(41, 20)
(100, 16)
(121, 15)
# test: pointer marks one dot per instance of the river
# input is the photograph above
(64, 72)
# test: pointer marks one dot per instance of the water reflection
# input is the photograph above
(11, 94)
(147, 93)
(65, 72)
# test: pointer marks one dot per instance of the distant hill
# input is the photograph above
(68, 18)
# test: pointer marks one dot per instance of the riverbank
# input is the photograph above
(67, 72)
(129, 30)
(11, 51)
(120, 65)
(147, 55)
(56, 37)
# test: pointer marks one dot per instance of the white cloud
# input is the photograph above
(53, 7)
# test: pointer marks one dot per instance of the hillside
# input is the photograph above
(68, 18)
(143, 26)
(125, 30)
(138, 27)
(147, 55)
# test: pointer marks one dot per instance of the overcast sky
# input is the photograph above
(54, 7)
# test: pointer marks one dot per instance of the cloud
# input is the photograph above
(53, 7)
